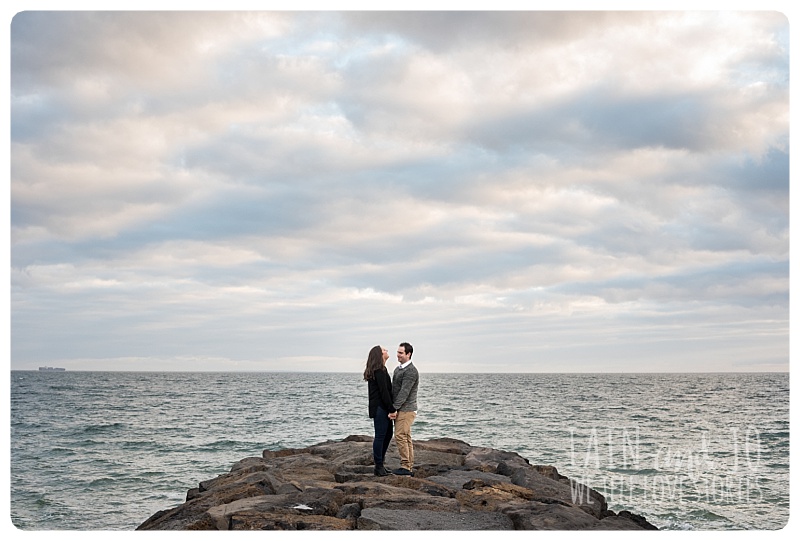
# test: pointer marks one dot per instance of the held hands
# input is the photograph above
(393, 416)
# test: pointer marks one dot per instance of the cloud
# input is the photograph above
(251, 187)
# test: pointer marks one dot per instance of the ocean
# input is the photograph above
(106, 450)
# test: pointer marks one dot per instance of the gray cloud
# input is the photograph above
(265, 188)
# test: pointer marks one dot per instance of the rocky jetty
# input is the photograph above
(331, 486)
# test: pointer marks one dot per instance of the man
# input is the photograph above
(405, 381)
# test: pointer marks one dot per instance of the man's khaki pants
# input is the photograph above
(402, 437)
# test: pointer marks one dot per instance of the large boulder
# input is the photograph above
(331, 486)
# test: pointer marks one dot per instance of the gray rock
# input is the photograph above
(488, 459)
(251, 464)
(349, 510)
(456, 479)
(620, 523)
(402, 519)
(331, 486)
(536, 515)
(545, 489)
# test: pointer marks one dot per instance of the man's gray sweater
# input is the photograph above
(404, 388)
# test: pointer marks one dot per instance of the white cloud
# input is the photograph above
(577, 186)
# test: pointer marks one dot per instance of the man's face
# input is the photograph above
(402, 356)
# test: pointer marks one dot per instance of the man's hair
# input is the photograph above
(408, 348)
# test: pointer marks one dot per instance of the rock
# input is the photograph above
(331, 486)
(402, 519)
(350, 510)
(638, 519)
(546, 489)
(457, 479)
(487, 459)
(534, 515)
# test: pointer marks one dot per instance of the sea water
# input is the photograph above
(106, 450)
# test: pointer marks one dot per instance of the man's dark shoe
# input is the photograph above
(380, 471)
(403, 471)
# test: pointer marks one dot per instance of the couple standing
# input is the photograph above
(390, 400)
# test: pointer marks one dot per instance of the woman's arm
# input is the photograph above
(385, 390)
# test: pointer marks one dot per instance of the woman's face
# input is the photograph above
(385, 355)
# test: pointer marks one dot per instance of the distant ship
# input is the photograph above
(51, 369)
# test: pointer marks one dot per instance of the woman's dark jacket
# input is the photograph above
(380, 392)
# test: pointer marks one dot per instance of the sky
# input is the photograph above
(530, 191)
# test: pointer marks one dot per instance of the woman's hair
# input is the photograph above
(374, 362)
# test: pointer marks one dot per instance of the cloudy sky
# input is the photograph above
(530, 192)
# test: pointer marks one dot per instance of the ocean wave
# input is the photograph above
(774, 436)
(632, 471)
(100, 428)
(62, 451)
(674, 523)
(141, 445)
(106, 427)
(707, 515)
(82, 445)
(43, 501)
(103, 481)
(152, 454)
(57, 388)
(222, 445)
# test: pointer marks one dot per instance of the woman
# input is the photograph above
(380, 405)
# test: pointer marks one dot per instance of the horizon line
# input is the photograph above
(265, 371)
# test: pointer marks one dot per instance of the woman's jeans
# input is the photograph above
(383, 435)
